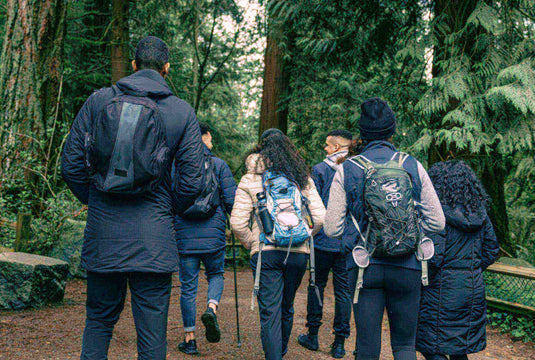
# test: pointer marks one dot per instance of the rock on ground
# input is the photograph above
(28, 280)
(69, 247)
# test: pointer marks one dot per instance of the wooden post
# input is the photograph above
(23, 231)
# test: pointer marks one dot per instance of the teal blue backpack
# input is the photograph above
(292, 223)
(285, 204)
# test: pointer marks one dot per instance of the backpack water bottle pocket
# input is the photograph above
(361, 256)
(426, 249)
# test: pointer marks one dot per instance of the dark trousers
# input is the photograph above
(444, 357)
(105, 301)
(278, 284)
(398, 290)
(326, 262)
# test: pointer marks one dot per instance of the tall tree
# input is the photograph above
(30, 86)
(273, 111)
(120, 40)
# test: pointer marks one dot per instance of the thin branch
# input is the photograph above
(44, 178)
(222, 63)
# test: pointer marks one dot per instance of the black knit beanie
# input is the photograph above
(377, 121)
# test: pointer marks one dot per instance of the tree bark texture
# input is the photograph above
(120, 39)
(273, 112)
(30, 80)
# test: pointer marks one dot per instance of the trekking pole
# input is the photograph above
(235, 286)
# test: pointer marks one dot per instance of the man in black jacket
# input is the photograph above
(130, 239)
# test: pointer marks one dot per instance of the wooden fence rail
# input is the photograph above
(511, 288)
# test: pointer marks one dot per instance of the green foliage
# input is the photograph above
(518, 326)
(47, 229)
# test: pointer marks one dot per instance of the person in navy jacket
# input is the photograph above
(130, 240)
(453, 310)
(204, 241)
(330, 256)
(391, 283)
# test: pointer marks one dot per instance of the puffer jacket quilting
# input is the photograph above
(453, 308)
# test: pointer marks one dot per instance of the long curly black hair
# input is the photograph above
(281, 155)
(457, 185)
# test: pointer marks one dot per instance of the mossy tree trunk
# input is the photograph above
(30, 88)
(120, 37)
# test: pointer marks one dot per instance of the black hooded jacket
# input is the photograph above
(453, 307)
(125, 234)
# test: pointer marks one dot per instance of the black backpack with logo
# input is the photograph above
(126, 149)
(209, 200)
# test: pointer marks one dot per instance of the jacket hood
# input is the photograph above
(145, 83)
(470, 222)
(255, 164)
(332, 159)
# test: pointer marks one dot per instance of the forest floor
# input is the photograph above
(55, 332)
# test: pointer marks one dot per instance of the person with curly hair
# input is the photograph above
(453, 309)
(281, 271)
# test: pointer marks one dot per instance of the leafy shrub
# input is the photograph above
(47, 229)
(520, 327)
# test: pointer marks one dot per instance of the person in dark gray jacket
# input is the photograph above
(130, 239)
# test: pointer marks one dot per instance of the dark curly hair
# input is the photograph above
(457, 185)
(282, 156)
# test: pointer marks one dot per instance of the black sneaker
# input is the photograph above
(308, 341)
(337, 349)
(209, 319)
(189, 347)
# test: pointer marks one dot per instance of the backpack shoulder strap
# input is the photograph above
(402, 157)
(362, 162)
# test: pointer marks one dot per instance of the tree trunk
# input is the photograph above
(273, 113)
(120, 39)
(493, 176)
(30, 81)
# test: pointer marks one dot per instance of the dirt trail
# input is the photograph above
(55, 332)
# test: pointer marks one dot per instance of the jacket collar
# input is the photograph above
(379, 144)
(207, 151)
(145, 82)
(332, 160)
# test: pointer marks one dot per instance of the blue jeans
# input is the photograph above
(106, 294)
(326, 262)
(189, 267)
(278, 285)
